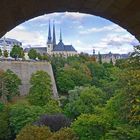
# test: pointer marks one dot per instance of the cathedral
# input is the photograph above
(60, 48)
(52, 48)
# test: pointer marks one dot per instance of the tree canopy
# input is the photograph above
(17, 52)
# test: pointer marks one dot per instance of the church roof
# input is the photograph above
(61, 47)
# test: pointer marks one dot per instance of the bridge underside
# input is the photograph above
(125, 13)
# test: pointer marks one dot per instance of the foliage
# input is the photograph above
(42, 57)
(123, 132)
(130, 87)
(1, 106)
(34, 133)
(64, 134)
(9, 85)
(40, 91)
(67, 78)
(90, 127)
(99, 58)
(135, 57)
(5, 53)
(17, 52)
(52, 107)
(22, 114)
(83, 101)
(5, 131)
(32, 54)
(54, 122)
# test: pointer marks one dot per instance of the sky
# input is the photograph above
(85, 32)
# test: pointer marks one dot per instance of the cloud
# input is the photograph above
(46, 17)
(75, 15)
(26, 37)
(112, 27)
(20, 27)
(116, 43)
(114, 38)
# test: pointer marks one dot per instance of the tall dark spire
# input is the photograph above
(49, 34)
(60, 35)
(54, 38)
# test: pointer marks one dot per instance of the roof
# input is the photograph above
(61, 47)
(36, 48)
(11, 40)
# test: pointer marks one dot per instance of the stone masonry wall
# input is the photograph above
(24, 71)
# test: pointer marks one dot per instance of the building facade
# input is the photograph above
(8, 43)
(52, 48)
(60, 48)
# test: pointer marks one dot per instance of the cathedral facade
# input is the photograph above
(60, 48)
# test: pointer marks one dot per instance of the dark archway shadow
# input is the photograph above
(125, 13)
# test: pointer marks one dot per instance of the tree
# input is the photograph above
(39, 56)
(5, 131)
(32, 54)
(54, 122)
(9, 85)
(5, 53)
(99, 58)
(22, 114)
(0, 52)
(69, 77)
(41, 89)
(52, 107)
(111, 61)
(90, 127)
(32, 132)
(17, 52)
(84, 100)
(64, 134)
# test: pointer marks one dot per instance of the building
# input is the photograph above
(52, 48)
(60, 48)
(111, 57)
(8, 43)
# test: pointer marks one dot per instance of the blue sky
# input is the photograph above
(83, 31)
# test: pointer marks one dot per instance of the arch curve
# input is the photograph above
(125, 13)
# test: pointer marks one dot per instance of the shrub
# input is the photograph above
(123, 132)
(1, 106)
(5, 131)
(52, 107)
(23, 114)
(64, 134)
(34, 133)
(83, 100)
(90, 127)
(54, 122)
(41, 88)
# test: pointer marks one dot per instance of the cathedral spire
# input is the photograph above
(54, 38)
(49, 34)
(60, 35)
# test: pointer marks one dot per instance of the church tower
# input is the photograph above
(54, 38)
(49, 42)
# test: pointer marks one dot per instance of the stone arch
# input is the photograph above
(125, 13)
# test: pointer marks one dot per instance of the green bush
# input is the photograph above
(34, 133)
(64, 134)
(90, 127)
(5, 131)
(123, 132)
(41, 89)
(22, 114)
(1, 106)
(83, 100)
(52, 107)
